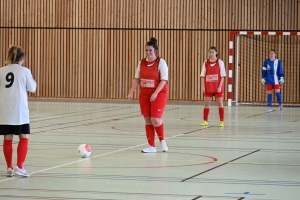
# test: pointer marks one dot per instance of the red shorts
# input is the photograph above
(271, 87)
(216, 94)
(153, 109)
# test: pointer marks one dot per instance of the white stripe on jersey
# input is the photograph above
(275, 70)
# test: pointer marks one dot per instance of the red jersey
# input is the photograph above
(212, 76)
(150, 77)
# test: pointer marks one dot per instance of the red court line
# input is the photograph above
(112, 120)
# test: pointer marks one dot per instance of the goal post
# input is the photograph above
(247, 52)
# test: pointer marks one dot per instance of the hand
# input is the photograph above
(130, 96)
(203, 89)
(153, 97)
(263, 81)
(281, 80)
(219, 90)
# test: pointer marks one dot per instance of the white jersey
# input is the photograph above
(162, 68)
(15, 81)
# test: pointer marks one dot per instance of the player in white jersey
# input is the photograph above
(273, 77)
(15, 81)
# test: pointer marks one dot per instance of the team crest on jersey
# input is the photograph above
(268, 67)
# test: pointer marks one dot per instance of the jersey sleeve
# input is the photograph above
(203, 71)
(222, 68)
(163, 70)
(30, 82)
(264, 70)
(137, 71)
(280, 70)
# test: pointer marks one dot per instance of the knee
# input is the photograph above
(269, 91)
(8, 137)
(23, 136)
(156, 121)
(148, 120)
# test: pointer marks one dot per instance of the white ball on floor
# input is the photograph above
(84, 150)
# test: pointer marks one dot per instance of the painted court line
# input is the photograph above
(58, 166)
(220, 165)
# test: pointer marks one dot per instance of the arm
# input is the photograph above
(220, 85)
(280, 73)
(158, 89)
(222, 74)
(135, 83)
(163, 71)
(280, 70)
(30, 82)
(202, 83)
(264, 73)
(202, 75)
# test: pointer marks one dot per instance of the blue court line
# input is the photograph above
(245, 193)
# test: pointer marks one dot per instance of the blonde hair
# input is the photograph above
(14, 54)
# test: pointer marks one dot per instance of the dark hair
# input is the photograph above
(14, 54)
(273, 51)
(153, 43)
(213, 48)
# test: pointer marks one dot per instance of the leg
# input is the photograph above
(22, 149)
(159, 127)
(157, 108)
(221, 109)
(150, 132)
(207, 101)
(279, 99)
(8, 150)
(278, 95)
(269, 89)
(160, 130)
(145, 106)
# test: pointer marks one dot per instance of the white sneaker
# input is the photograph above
(150, 149)
(281, 107)
(21, 172)
(269, 109)
(164, 146)
(10, 172)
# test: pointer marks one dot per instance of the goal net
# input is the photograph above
(248, 52)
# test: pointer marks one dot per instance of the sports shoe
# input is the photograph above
(164, 146)
(221, 124)
(150, 149)
(269, 109)
(10, 172)
(281, 107)
(21, 172)
(204, 123)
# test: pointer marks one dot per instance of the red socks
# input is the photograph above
(160, 132)
(221, 114)
(22, 151)
(8, 152)
(205, 114)
(150, 133)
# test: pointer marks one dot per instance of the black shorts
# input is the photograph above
(14, 129)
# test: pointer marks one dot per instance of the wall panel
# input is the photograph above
(90, 49)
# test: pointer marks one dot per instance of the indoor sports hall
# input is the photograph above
(84, 56)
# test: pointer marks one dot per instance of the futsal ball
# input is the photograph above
(84, 150)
